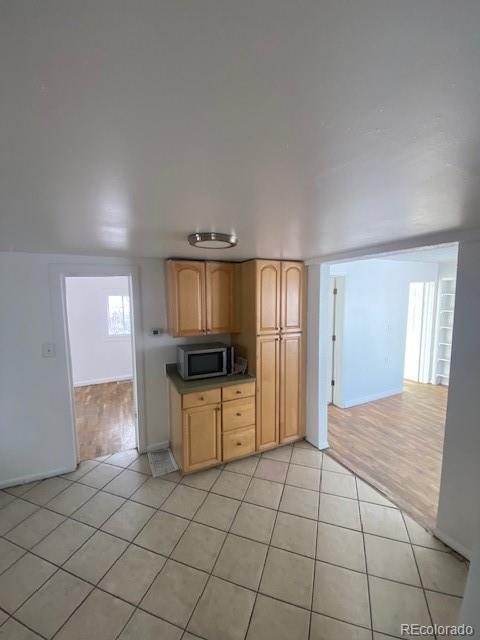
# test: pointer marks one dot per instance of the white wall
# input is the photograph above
(96, 357)
(373, 328)
(318, 354)
(458, 519)
(36, 433)
(470, 612)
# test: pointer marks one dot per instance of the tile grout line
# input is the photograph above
(419, 575)
(315, 549)
(365, 557)
(266, 554)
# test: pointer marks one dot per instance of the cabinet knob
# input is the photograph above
(239, 444)
(238, 391)
(238, 414)
(201, 398)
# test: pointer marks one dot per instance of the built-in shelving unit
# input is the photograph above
(445, 311)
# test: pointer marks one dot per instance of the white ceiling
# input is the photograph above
(308, 127)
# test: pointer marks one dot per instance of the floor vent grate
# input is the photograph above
(161, 462)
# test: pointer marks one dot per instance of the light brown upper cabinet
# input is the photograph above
(186, 298)
(291, 305)
(268, 276)
(291, 388)
(200, 297)
(220, 292)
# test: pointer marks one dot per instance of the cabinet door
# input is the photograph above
(293, 284)
(291, 388)
(186, 297)
(268, 278)
(267, 405)
(220, 285)
(201, 437)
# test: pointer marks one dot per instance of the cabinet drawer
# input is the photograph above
(240, 442)
(200, 398)
(238, 413)
(236, 391)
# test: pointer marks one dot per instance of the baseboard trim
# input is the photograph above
(4, 484)
(370, 398)
(450, 542)
(88, 383)
(157, 446)
(321, 445)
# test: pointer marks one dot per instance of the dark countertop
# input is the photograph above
(188, 386)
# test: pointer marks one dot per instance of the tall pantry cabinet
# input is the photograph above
(272, 321)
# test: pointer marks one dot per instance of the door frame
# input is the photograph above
(58, 274)
(336, 313)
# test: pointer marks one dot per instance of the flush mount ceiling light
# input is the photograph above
(212, 240)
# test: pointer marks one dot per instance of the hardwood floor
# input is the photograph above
(396, 444)
(104, 418)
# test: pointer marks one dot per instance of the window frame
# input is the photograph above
(118, 336)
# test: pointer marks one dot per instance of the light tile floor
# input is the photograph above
(288, 545)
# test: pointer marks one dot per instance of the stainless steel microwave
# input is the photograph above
(205, 360)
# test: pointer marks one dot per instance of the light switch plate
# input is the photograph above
(48, 350)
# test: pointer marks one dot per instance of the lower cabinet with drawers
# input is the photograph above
(212, 426)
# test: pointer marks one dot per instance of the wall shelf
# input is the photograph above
(445, 312)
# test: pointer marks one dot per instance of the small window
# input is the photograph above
(119, 323)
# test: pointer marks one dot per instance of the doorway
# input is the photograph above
(102, 355)
(389, 356)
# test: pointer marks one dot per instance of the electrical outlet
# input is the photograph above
(156, 332)
(48, 350)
